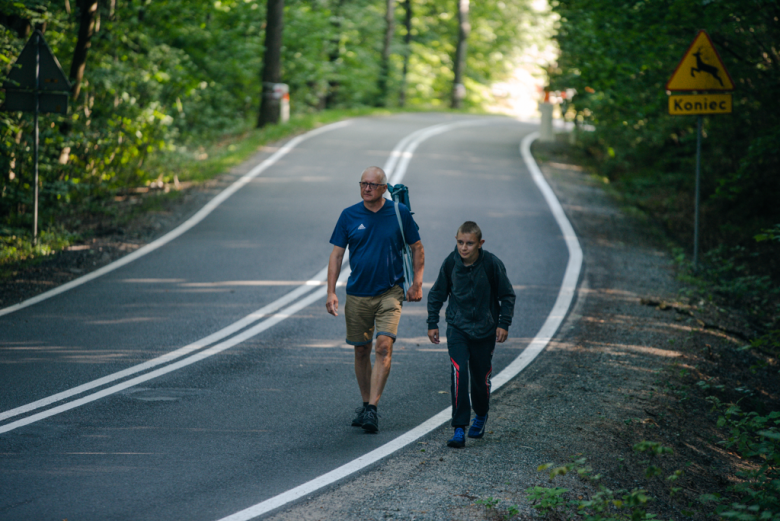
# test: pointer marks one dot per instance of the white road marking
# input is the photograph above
(169, 357)
(399, 151)
(537, 345)
(211, 351)
(189, 223)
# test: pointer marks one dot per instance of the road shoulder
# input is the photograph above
(593, 393)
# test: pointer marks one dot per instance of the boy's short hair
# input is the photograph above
(470, 227)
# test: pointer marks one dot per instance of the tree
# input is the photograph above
(384, 65)
(333, 55)
(619, 61)
(458, 90)
(88, 12)
(269, 104)
(407, 50)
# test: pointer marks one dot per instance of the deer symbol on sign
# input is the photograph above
(703, 67)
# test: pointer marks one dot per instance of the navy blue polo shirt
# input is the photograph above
(374, 242)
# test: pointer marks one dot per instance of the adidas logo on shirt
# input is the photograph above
(361, 227)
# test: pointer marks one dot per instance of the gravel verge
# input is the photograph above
(601, 386)
(609, 379)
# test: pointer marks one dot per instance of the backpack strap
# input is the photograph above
(488, 264)
(400, 223)
(490, 271)
(449, 265)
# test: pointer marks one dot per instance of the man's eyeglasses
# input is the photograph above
(372, 186)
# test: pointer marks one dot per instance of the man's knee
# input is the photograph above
(363, 350)
(384, 346)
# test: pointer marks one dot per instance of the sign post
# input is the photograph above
(700, 70)
(36, 84)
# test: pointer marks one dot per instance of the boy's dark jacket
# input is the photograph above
(473, 307)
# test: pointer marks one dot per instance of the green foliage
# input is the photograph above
(15, 247)
(756, 438)
(488, 502)
(605, 504)
(619, 56)
(741, 278)
(769, 234)
(166, 82)
(548, 500)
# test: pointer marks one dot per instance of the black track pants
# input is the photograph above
(474, 358)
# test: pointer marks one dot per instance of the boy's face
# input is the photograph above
(468, 247)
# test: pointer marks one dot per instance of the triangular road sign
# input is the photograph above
(22, 75)
(701, 68)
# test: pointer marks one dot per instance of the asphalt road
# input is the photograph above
(271, 412)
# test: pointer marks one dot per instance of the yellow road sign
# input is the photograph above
(701, 68)
(698, 104)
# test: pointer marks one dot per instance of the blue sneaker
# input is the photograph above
(458, 440)
(477, 429)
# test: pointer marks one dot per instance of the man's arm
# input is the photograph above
(334, 270)
(418, 265)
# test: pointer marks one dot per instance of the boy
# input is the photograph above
(479, 313)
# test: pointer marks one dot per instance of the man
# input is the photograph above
(375, 287)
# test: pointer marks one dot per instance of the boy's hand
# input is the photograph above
(433, 335)
(501, 335)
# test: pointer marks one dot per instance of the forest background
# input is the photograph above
(167, 94)
(160, 85)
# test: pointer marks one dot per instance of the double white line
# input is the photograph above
(395, 168)
(549, 328)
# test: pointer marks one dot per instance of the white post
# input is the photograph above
(546, 131)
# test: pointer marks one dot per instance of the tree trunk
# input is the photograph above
(458, 90)
(384, 65)
(269, 105)
(407, 50)
(21, 26)
(87, 22)
(333, 56)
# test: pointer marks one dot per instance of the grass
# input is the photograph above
(176, 168)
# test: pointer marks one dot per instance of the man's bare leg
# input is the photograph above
(363, 369)
(384, 358)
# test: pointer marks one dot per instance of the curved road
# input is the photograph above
(271, 409)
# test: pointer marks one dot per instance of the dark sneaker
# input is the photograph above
(358, 421)
(477, 429)
(370, 420)
(458, 440)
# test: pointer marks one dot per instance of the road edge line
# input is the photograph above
(183, 227)
(554, 320)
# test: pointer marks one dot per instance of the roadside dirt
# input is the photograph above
(622, 369)
(109, 241)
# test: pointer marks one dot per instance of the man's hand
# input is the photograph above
(334, 268)
(501, 335)
(332, 304)
(433, 335)
(415, 293)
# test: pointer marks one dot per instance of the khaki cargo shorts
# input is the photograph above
(362, 312)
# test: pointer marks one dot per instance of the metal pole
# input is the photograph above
(698, 176)
(35, 148)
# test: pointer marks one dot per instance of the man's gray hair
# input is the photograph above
(376, 169)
